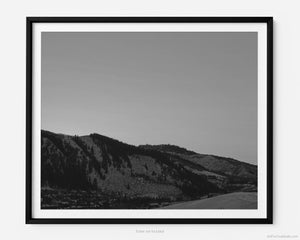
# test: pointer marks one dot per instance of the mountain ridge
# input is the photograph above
(112, 168)
(147, 145)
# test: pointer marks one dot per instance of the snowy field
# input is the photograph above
(237, 200)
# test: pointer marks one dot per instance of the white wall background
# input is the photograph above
(286, 114)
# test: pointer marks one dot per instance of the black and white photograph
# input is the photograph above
(150, 120)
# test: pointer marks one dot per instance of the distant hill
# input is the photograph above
(217, 164)
(126, 176)
(168, 148)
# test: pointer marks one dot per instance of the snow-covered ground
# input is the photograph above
(238, 200)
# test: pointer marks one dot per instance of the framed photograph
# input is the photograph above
(145, 120)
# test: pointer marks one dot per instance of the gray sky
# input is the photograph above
(195, 90)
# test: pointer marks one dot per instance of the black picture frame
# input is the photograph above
(29, 120)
